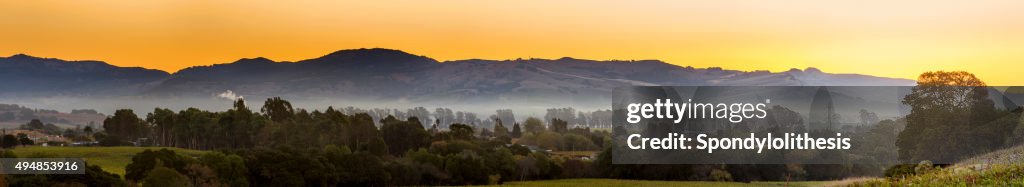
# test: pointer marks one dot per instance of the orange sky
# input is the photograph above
(883, 38)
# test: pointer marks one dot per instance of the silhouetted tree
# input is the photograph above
(9, 141)
(516, 131)
(948, 109)
(499, 129)
(126, 124)
(277, 109)
(559, 126)
(402, 136)
(534, 125)
(164, 120)
(461, 132)
(24, 140)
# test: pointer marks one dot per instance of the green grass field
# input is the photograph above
(999, 168)
(111, 159)
(114, 159)
(620, 182)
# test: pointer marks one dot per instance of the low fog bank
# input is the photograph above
(141, 106)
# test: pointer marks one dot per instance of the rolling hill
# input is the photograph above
(386, 77)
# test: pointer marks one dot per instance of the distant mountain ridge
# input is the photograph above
(23, 75)
(393, 75)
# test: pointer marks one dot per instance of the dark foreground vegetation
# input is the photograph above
(284, 146)
(957, 136)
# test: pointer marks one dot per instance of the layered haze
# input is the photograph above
(375, 78)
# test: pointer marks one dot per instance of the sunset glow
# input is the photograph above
(882, 38)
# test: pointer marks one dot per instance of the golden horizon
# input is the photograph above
(879, 38)
(428, 56)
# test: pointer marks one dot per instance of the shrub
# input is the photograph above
(162, 176)
(924, 167)
(900, 170)
(720, 175)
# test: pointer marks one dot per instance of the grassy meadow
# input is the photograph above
(999, 168)
(111, 159)
(114, 160)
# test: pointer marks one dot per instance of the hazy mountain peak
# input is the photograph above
(373, 55)
(805, 70)
(35, 76)
(42, 62)
(21, 56)
(367, 51)
(30, 60)
(24, 57)
(257, 60)
(812, 70)
(566, 59)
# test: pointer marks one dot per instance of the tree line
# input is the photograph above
(279, 145)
